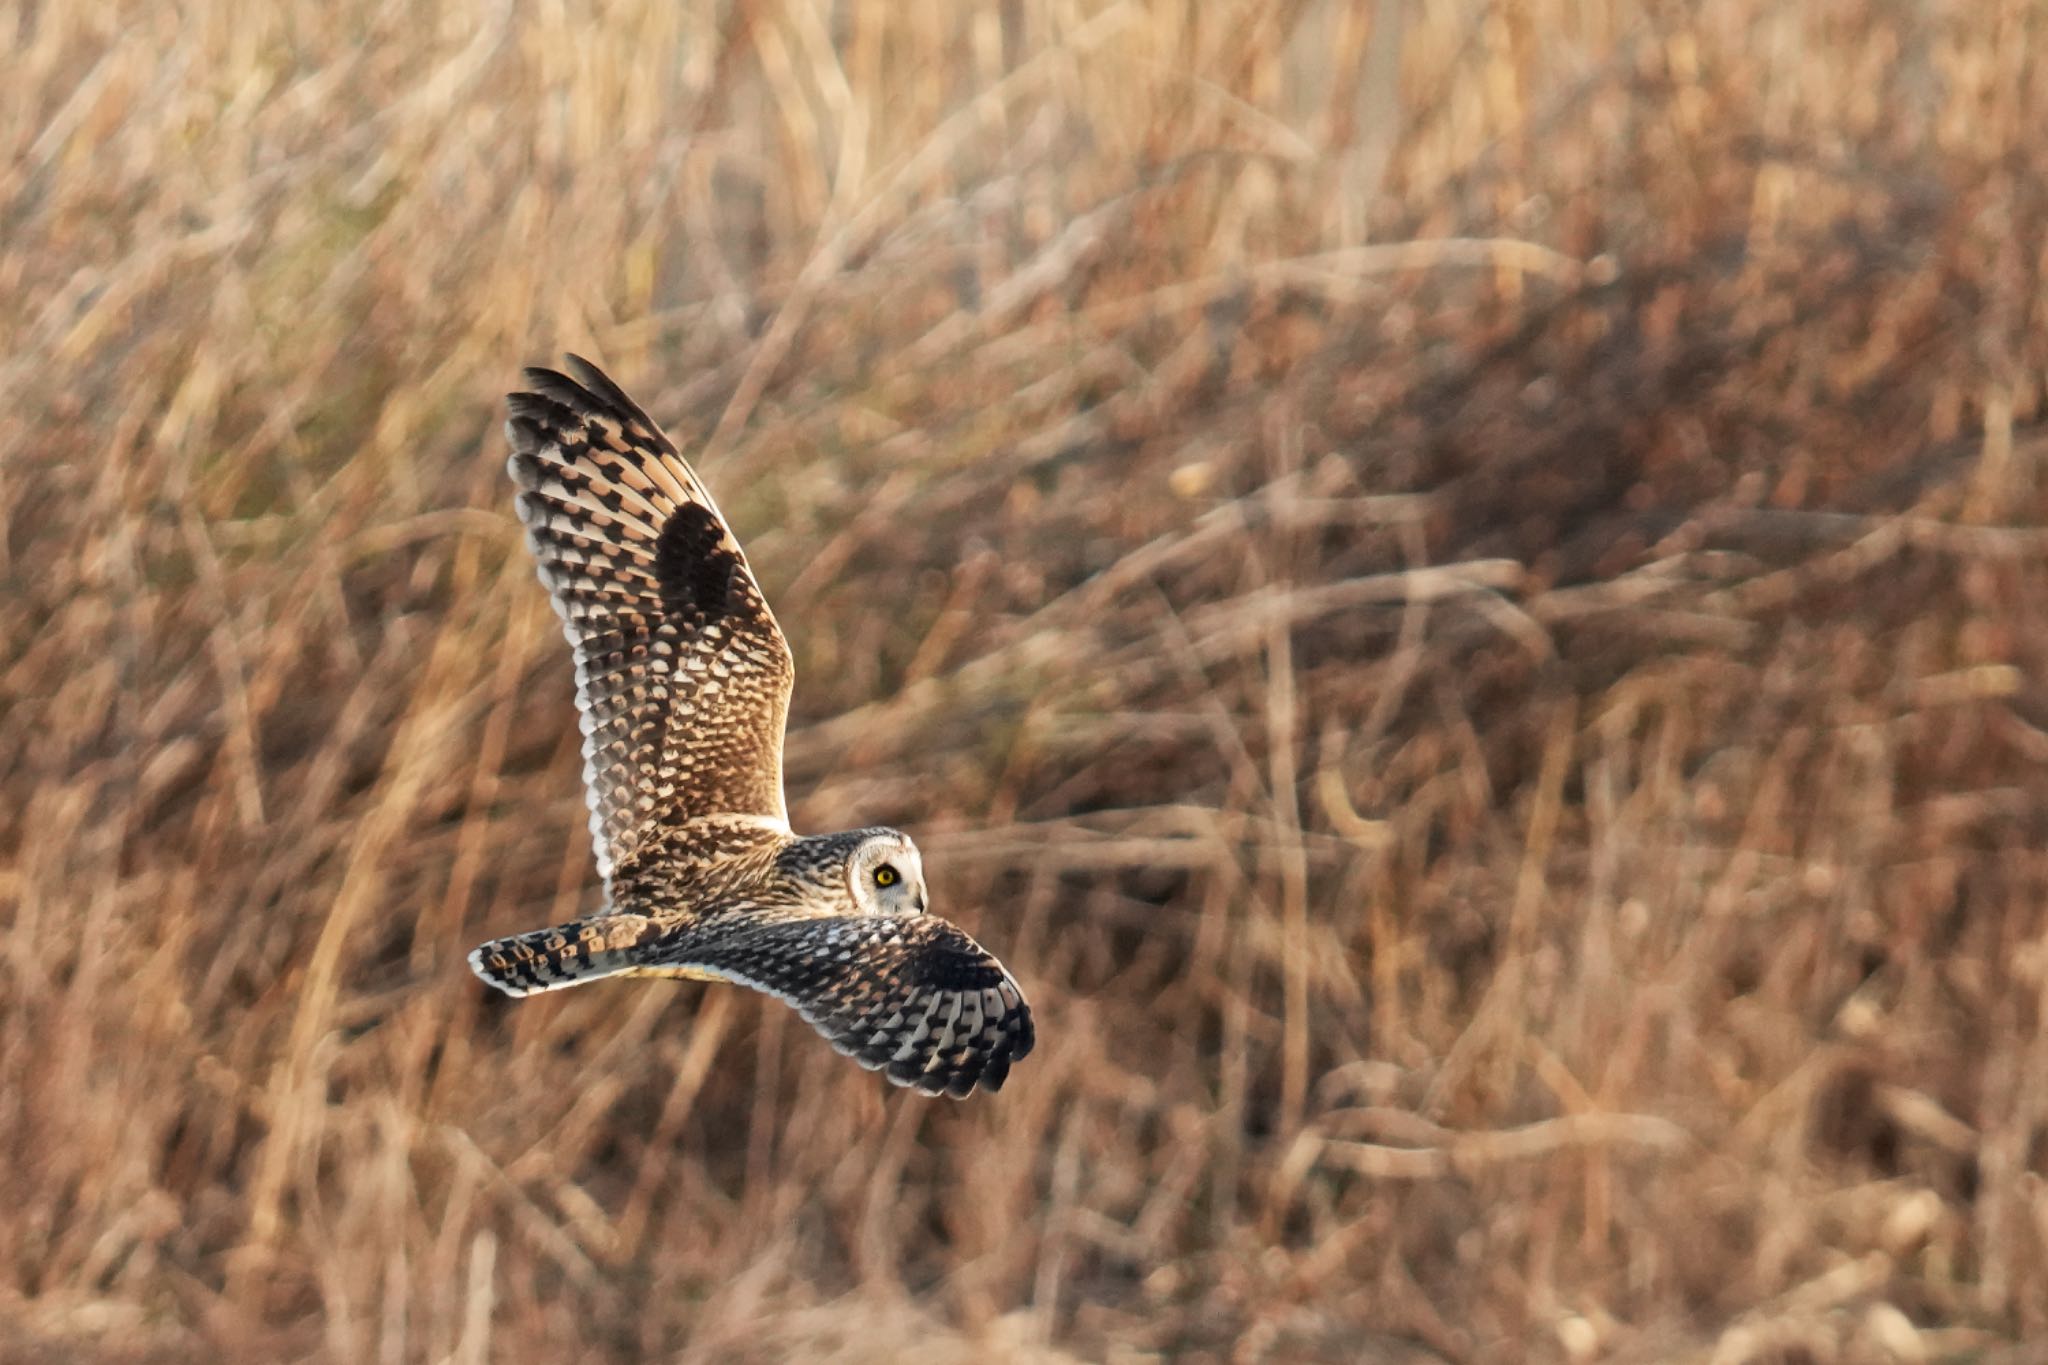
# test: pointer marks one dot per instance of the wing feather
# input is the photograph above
(911, 996)
(682, 675)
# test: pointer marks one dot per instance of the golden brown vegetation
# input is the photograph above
(1462, 590)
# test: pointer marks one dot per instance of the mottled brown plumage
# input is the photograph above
(682, 684)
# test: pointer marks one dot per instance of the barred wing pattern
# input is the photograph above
(682, 676)
(911, 996)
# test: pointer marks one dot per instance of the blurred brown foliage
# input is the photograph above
(1461, 591)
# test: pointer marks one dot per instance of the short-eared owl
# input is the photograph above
(683, 681)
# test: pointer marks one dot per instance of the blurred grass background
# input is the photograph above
(1461, 590)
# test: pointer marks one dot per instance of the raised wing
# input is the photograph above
(682, 675)
(911, 996)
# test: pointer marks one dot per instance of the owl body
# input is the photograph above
(770, 870)
(683, 681)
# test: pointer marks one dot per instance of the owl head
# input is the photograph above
(885, 875)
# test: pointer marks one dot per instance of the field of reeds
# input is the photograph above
(1460, 589)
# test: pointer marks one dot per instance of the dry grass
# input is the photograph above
(1462, 590)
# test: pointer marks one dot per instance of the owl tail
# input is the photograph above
(565, 955)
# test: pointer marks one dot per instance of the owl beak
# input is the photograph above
(920, 902)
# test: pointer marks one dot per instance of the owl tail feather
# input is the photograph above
(565, 955)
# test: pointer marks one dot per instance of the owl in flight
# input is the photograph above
(683, 681)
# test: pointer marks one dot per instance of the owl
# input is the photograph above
(682, 684)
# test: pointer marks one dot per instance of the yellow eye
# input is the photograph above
(886, 875)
